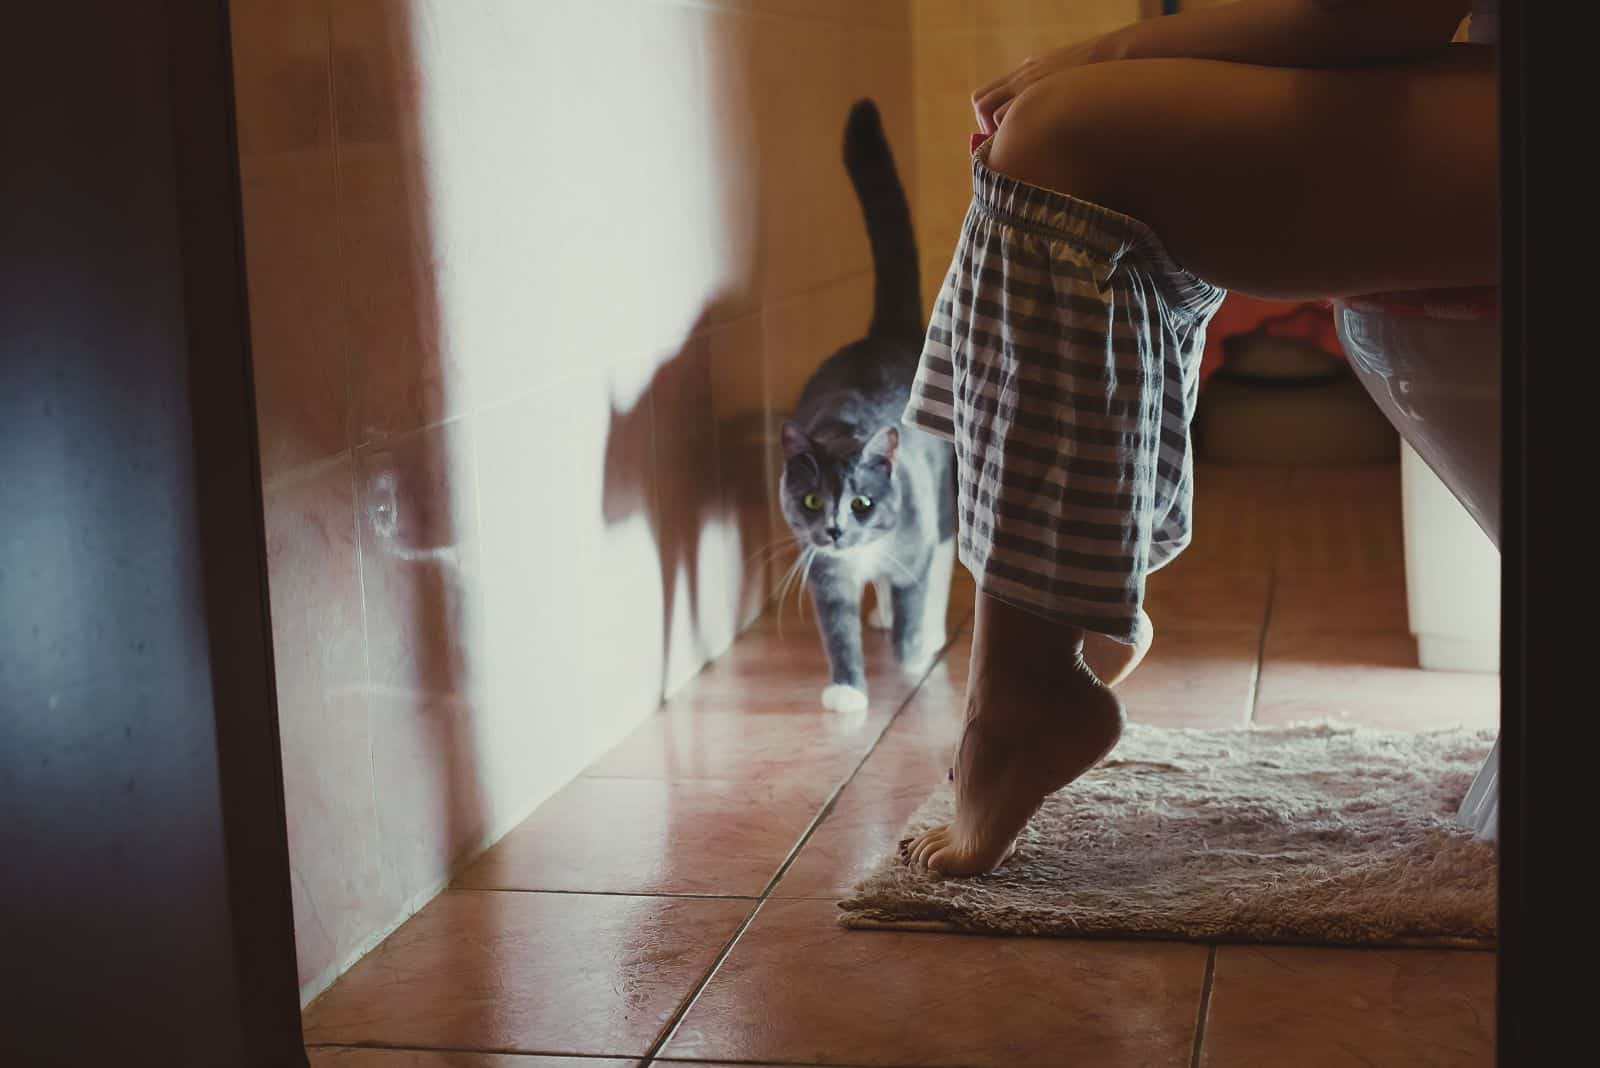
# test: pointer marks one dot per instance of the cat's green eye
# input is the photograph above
(861, 505)
(812, 502)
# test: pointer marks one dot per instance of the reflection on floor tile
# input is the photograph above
(1319, 602)
(546, 973)
(648, 836)
(1336, 1007)
(865, 822)
(1195, 678)
(1370, 679)
(877, 998)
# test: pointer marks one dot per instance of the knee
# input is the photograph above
(1075, 133)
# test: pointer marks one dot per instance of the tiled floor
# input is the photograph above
(675, 905)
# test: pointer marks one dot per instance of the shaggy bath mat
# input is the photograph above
(1313, 833)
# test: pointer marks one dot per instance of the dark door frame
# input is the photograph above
(232, 531)
(145, 913)
(1510, 1033)
(1547, 677)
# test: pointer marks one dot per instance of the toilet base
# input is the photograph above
(1480, 809)
(1436, 653)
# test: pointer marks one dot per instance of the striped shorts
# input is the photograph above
(1063, 362)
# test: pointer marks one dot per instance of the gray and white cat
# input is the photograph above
(870, 500)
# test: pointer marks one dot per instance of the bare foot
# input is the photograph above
(1037, 718)
(1112, 661)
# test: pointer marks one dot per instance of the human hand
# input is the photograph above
(991, 102)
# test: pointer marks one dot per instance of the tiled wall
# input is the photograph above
(527, 282)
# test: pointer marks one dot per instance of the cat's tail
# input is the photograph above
(897, 297)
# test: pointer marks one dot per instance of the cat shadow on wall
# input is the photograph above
(699, 482)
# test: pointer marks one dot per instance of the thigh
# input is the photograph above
(1280, 182)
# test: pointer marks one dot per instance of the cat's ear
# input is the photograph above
(882, 446)
(795, 441)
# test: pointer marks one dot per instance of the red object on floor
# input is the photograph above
(1307, 321)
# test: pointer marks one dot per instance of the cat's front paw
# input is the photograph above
(842, 698)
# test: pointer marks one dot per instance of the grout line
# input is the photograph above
(1205, 1007)
(1261, 646)
(413, 1048)
(705, 980)
(672, 1025)
(763, 1064)
(1266, 622)
(565, 1054)
(827, 806)
(597, 893)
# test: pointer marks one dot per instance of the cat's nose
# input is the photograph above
(835, 533)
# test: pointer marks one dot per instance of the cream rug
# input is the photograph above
(1311, 833)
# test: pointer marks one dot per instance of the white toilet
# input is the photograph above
(1432, 363)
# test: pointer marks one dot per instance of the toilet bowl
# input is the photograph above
(1432, 363)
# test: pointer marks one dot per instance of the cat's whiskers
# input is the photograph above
(904, 570)
(788, 580)
(805, 576)
(771, 551)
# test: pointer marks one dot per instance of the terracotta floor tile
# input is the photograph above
(767, 670)
(1343, 519)
(1331, 1007)
(933, 717)
(646, 836)
(963, 592)
(814, 747)
(1184, 595)
(545, 973)
(1194, 678)
(908, 764)
(947, 679)
(1319, 602)
(1236, 519)
(1371, 679)
(755, 714)
(799, 988)
(349, 1057)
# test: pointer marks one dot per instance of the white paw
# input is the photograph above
(837, 698)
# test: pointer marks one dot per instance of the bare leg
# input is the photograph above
(1111, 660)
(1036, 719)
(1280, 182)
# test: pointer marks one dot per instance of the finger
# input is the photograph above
(981, 115)
(991, 95)
(985, 106)
(988, 87)
(1000, 112)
